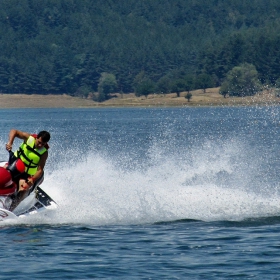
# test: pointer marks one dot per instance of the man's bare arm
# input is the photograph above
(41, 166)
(13, 134)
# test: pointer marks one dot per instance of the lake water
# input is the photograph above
(163, 193)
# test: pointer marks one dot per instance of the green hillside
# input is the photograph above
(63, 46)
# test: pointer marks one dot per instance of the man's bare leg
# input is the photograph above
(20, 196)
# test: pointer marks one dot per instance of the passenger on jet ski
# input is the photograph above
(9, 175)
(34, 153)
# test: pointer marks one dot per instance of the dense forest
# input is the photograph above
(65, 46)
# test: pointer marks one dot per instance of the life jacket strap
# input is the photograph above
(30, 162)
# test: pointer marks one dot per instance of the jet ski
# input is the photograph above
(37, 200)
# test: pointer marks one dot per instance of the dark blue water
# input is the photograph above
(174, 193)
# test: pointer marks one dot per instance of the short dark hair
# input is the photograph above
(45, 136)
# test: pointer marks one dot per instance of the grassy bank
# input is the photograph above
(210, 98)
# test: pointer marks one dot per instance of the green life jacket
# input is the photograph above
(30, 155)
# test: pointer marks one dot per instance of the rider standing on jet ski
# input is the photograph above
(34, 153)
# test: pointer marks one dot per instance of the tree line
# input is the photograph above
(81, 46)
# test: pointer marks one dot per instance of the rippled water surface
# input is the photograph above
(174, 193)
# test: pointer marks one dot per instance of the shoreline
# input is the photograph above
(199, 99)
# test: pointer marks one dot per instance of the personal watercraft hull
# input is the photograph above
(38, 201)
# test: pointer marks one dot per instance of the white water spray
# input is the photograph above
(97, 191)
